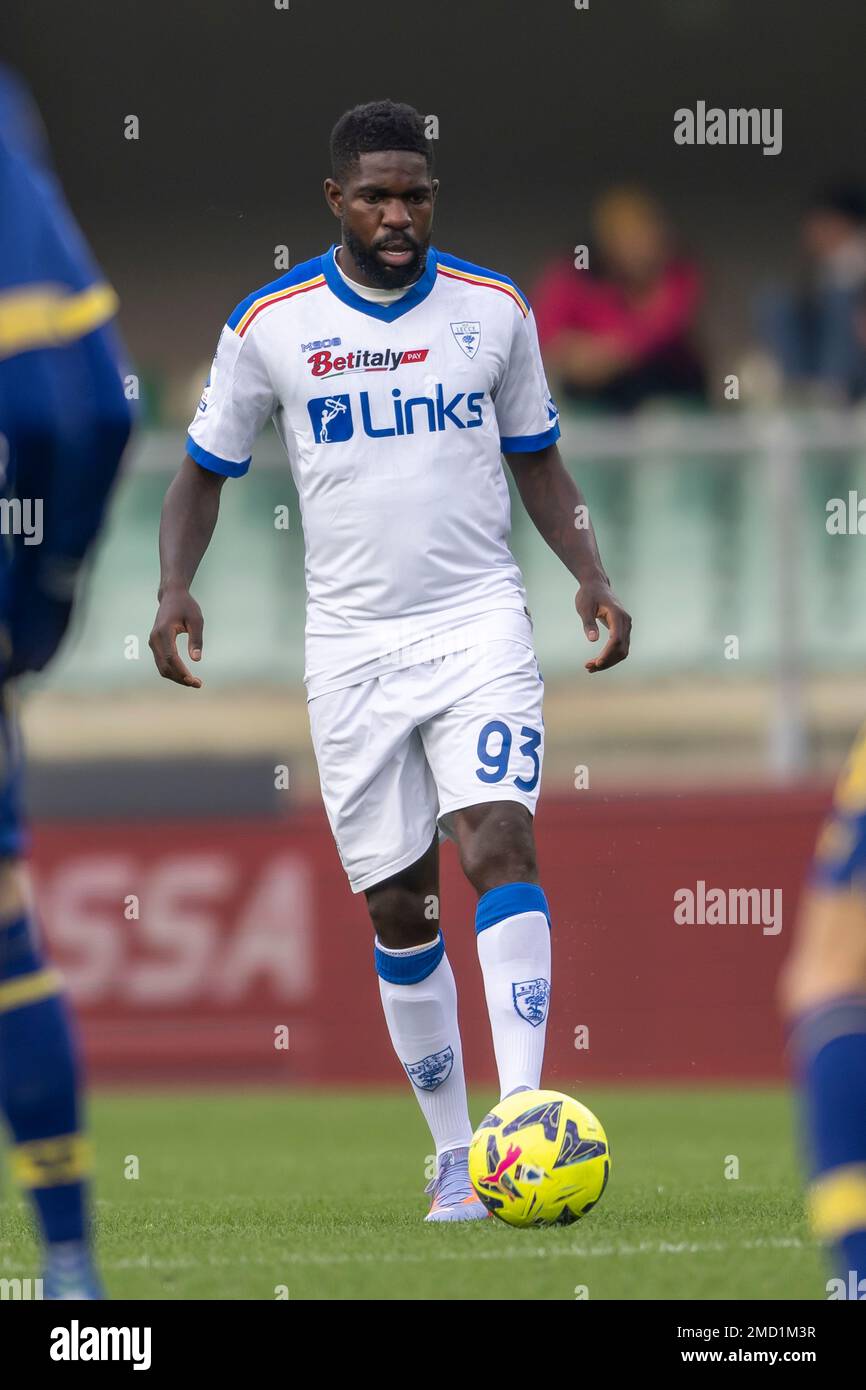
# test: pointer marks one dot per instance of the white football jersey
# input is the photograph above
(394, 418)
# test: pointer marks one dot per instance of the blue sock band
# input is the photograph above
(39, 1084)
(507, 901)
(409, 968)
(830, 1046)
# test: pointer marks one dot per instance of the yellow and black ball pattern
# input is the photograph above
(539, 1158)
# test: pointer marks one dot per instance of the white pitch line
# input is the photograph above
(508, 1252)
(504, 1253)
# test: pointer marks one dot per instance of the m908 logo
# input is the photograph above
(333, 417)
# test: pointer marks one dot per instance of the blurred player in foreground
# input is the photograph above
(64, 422)
(397, 377)
(824, 1001)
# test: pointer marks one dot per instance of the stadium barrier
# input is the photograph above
(714, 527)
(227, 951)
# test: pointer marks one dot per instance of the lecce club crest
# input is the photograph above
(531, 998)
(431, 1071)
(467, 336)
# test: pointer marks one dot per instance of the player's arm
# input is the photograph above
(528, 430)
(64, 415)
(236, 402)
(70, 425)
(560, 514)
(189, 515)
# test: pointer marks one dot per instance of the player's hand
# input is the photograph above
(178, 612)
(596, 603)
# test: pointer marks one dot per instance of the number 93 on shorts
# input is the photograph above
(399, 752)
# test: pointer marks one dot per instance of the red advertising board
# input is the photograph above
(233, 950)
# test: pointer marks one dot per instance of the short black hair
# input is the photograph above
(377, 125)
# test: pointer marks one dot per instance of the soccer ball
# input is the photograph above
(539, 1159)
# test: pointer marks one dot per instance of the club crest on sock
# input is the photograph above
(431, 1071)
(531, 998)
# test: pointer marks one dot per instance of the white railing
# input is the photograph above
(713, 527)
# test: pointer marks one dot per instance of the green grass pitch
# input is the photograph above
(241, 1195)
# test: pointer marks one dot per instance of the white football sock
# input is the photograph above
(514, 952)
(419, 997)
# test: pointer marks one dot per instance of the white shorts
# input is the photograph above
(398, 753)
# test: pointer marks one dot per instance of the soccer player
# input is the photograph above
(64, 421)
(397, 376)
(823, 995)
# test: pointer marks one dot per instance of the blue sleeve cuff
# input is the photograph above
(530, 443)
(214, 463)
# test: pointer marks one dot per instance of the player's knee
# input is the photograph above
(13, 890)
(790, 999)
(806, 981)
(499, 849)
(401, 917)
(829, 956)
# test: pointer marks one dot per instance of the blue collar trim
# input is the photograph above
(387, 313)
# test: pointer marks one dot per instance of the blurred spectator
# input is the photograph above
(619, 333)
(814, 329)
